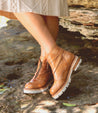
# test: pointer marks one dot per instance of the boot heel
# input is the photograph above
(77, 63)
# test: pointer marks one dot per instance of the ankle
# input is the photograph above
(43, 54)
(52, 47)
(42, 58)
(49, 49)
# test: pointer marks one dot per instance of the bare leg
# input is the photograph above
(36, 25)
(52, 23)
(39, 27)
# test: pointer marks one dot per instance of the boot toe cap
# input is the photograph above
(28, 85)
(52, 91)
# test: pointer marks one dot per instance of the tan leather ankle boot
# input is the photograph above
(41, 80)
(62, 63)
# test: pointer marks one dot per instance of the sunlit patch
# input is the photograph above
(44, 107)
(96, 72)
(25, 105)
(61, 111)
(3, 21)
(30, 48)
(41, 110)
(90, 110)
(76, 110)
(47, 103)
(93, 71)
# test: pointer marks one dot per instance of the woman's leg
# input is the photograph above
(52, 23)
(62, 62)
(43, 29)
(36, 25)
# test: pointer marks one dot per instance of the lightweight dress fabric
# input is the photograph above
(44, 7)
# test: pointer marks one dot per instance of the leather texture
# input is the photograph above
(42, 76)
(60, 62)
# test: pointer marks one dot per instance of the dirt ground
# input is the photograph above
(18, 61)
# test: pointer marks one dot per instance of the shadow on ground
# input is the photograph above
(18, 61)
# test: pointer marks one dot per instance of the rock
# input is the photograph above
(84, 21)
(83, 3)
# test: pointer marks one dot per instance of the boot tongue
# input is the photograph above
(37, 71)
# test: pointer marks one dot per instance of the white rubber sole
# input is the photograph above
(31, 91)
(40, 90)
(74, 67)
